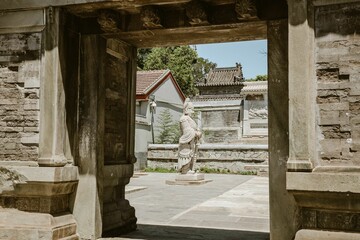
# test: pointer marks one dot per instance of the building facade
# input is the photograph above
(156, 92)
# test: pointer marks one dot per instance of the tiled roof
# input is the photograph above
(145, 80)
(259, 86)
(223, 76)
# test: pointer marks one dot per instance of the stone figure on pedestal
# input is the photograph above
(189, 140)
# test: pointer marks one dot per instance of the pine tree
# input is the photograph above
(168, 130)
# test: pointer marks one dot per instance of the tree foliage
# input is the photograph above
(183, 61)
(169, 132)
(258, 78)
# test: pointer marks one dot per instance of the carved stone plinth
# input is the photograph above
(188, 179)
(118, 214)
(34, 202)
(16, 224)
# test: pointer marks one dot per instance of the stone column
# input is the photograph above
(52, 142)
(88, 201)
(106, 137)
(283, 222)
(34, 200)
(302, 88)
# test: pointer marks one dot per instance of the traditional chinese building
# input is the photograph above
(232, 110)
(218, 104)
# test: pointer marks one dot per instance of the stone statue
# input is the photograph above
(189, 140)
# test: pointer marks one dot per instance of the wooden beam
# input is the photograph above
(30, 4)
(194, 35)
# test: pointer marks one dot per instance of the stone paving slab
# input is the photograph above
(229, 207)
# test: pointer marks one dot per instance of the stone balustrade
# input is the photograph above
(231, 158)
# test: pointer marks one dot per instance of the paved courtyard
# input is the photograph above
(229, 207)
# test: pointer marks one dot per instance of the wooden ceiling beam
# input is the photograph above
(194, 35)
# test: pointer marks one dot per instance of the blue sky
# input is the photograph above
(251, 55)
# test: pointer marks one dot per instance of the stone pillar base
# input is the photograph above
(34, 203)
(307, 234)
(119, 218)
(118, 214)
(15, 224)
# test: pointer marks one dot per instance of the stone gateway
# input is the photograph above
(67, 109)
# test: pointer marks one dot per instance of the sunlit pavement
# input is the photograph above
(229, 207)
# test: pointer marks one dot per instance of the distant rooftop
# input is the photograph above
(258, 86)
(146, 80)
(223, 76)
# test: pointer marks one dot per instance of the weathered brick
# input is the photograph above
(354, 108)
(329, 117)
(31, 129)
(32, 93)
(355, 89)
(29, 123)
(15, 123)
(6, 93)
(334, 132)
(12, 118)
(11, 129)
(334, 106)
(9, 146)
(328, 75)
(30, 140)
(334, 85)
(9, 101)
(31, 104)
(330, 145)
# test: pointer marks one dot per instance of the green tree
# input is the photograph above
(258, 78)
(169, 132)
(202, 67)
(183, 61)
(142, 54)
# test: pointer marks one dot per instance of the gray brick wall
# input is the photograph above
(19, 96)
(338, 81)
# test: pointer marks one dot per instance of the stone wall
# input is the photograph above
(19, 96)
(338, 83)
(220, 126)
(234, 158)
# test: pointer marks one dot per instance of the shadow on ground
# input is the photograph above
(157, 232)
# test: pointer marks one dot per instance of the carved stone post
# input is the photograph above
(52, 97)
(283, 210)
(34, 200)
(302, 88)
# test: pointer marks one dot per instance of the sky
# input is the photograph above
(251, 54)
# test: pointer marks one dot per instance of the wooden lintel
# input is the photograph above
(194, 35)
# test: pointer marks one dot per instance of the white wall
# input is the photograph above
(166, 97)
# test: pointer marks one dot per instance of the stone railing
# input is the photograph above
(231, 158)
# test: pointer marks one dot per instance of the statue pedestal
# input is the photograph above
(188, 179)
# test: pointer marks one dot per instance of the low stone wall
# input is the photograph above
(231, 158)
